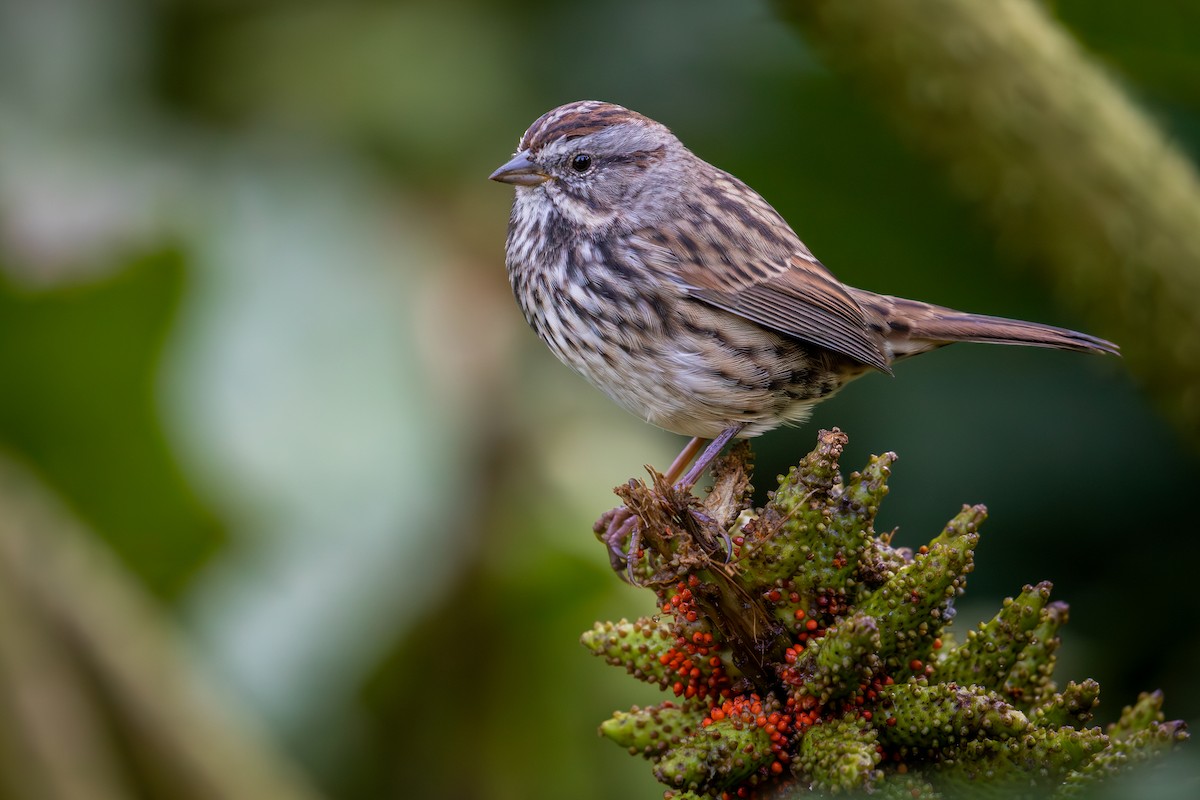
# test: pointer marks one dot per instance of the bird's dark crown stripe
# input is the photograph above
(576, 119)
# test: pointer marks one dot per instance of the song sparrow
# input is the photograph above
(680, 292)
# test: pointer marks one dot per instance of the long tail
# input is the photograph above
(911, 327)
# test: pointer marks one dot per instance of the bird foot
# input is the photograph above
(614, 528)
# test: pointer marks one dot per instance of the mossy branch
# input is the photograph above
(98, 698)
(817, 656)
(1067, 168)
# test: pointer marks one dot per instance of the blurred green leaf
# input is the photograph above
(79, 366)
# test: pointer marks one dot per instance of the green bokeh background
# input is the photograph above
(255, 332)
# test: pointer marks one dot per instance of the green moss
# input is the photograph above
(636, 646)
(989, 654)
(929, 717)
(651, 731)
(840, 755)
(716, 757)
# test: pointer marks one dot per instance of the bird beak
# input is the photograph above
(520, 171)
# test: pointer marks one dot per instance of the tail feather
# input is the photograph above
(911, 327)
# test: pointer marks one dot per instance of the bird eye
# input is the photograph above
(581, 162)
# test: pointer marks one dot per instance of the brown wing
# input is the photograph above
(733, 251)
(801, 299)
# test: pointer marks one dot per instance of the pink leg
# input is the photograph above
(683, 459)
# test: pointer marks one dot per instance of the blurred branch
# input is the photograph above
(88, 667)
(1068, 169)
(51, 745)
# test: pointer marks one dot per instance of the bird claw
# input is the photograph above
(612, 528)
(618, 529)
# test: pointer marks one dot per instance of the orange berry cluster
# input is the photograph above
(680, 603)
(699, 670)
(778, 724)
(829, 604)
(867, 693)
(782, 724)
(832, 602)
(805, 629)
